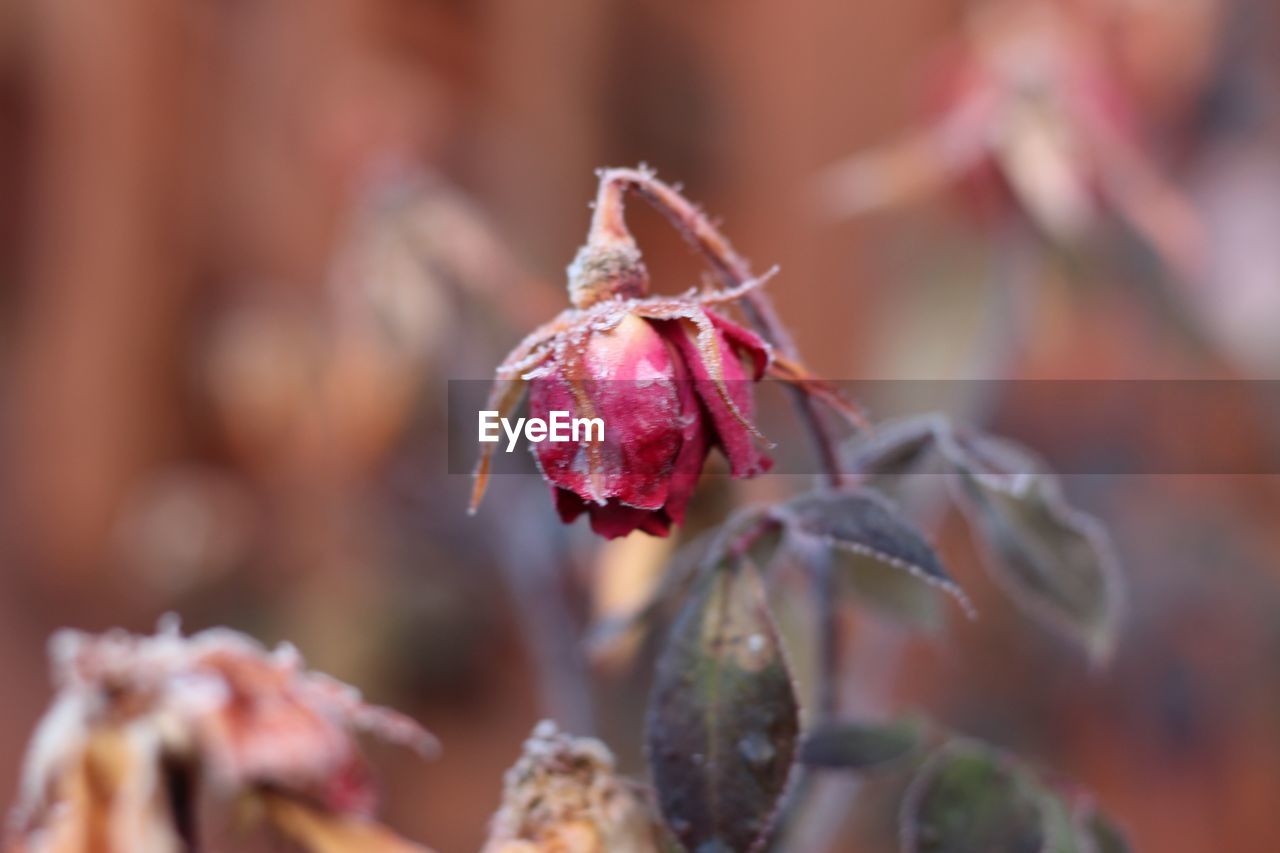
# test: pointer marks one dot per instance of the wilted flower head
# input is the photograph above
(669, 377)
(163, 743)
(1030, 122)
(563, 796)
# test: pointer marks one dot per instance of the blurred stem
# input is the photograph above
(534, 565)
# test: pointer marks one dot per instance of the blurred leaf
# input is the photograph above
(862, 746)
(1055, 561)
(890, 591)
(722, 722)
(863, 524)
(970, 799)
(894, 447)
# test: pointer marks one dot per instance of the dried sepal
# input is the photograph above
(563, 796)
(161, 743)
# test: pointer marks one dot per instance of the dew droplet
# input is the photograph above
(756, 748)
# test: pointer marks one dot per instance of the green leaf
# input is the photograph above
(862, 746)
(723, 722)
(969, 798)
(890, 591)
(1053, 560)
(972, 797)
(862, 524)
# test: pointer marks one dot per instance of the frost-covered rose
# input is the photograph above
(669, 377)
(650, 383)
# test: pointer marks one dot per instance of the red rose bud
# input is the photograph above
(653, 387)
(664, 375)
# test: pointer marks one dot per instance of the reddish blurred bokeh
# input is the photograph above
(244, 244)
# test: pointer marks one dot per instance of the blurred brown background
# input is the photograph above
(244, 243)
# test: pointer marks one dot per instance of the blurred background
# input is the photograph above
(244, 244)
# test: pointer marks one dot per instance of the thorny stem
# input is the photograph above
(608, 227)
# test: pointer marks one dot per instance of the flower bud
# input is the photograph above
(663, 407)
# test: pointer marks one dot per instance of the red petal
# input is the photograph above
(737, 442)
(693, 451)
(744, 342)
(568, 504)
(614, 519)
(627, 376)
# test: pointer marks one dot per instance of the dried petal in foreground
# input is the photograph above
(164, 744)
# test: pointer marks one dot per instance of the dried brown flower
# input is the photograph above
(165, 743)
(563, 796)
